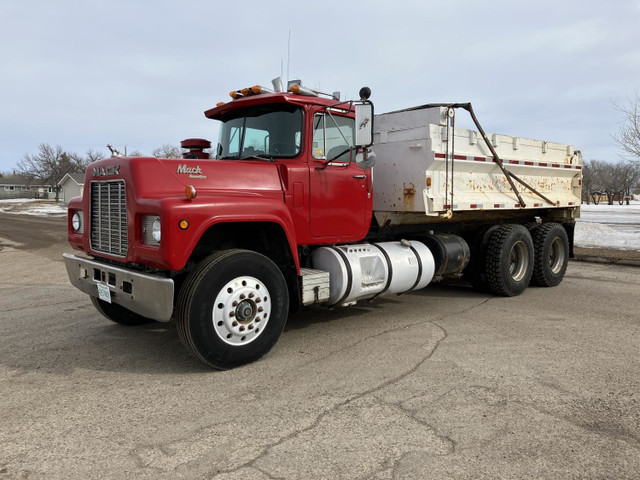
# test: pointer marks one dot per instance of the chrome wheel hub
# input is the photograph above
(241, 310)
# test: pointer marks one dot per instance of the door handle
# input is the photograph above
(360, 177)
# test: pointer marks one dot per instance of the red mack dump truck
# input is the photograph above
(293, 208)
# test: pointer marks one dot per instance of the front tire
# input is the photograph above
(232, 308)
(509, 260)
(551, 254)
(118, 314)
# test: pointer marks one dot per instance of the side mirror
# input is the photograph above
(364, 124)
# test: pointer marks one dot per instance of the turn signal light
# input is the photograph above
(183, 224)
(190, 192)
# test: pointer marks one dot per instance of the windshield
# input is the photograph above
(263, 132)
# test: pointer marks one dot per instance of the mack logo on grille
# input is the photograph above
(109, 171)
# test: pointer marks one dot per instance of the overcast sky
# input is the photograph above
(82, 74)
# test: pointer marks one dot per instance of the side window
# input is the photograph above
(333, 136)
(318, 136)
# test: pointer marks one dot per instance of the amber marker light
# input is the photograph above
(190, 192)
(219, 104)
(295, 89)
(428, 181)
(183, 224)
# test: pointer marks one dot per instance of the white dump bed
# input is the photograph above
(416, 173)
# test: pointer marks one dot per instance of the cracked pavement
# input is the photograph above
(441, 383)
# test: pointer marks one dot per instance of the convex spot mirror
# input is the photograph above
(366, 160)
(364, 124)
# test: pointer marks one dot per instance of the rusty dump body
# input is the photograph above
(428, 171)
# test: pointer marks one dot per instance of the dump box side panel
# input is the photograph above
(417, 172)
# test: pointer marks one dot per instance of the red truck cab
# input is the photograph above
(282, 177)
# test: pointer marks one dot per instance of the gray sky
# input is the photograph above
(82, 74)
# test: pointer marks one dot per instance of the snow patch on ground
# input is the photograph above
(609, 226)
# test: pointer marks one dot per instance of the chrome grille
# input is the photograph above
(109, 217)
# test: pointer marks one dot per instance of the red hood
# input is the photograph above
(159, 178)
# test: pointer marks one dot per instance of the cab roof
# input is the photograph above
(219, 112)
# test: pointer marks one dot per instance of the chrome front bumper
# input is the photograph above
(148, 295)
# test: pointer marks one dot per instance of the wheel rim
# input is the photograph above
(518, 261)
(556, 255)
(241, 311)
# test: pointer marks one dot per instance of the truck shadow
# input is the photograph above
(82, 340)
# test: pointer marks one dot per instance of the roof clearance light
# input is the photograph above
(219, 104)
(299, 90)
(245, 91)
(235, 94)
(190, 192)
(256, 89)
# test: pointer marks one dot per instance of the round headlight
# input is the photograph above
(76, 222)
(155, 230)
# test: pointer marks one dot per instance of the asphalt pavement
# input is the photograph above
(441, 383)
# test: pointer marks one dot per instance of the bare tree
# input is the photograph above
(49, 165)
(629, 172)
(588, 181)
(628, 136)
(93, 156)
(167, 151)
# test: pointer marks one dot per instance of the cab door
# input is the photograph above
(338, 187)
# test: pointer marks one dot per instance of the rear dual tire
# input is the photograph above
(509, 257)
(551, 245)
(509, 260)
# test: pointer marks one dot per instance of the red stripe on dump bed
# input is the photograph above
(517, 205)
(497, 205)
(473, 205)
(509, 162)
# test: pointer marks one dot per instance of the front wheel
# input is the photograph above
(509, 260)
(232, 308)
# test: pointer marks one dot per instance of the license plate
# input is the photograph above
(104, 293)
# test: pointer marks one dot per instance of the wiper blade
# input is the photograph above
(256, 157)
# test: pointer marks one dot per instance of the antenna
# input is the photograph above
(288, 54)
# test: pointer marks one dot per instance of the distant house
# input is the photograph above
(22, 186)
(71, 186)
(17, 186)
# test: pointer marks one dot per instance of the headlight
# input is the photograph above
(76, 222)
(151, 230)
(155, 230)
